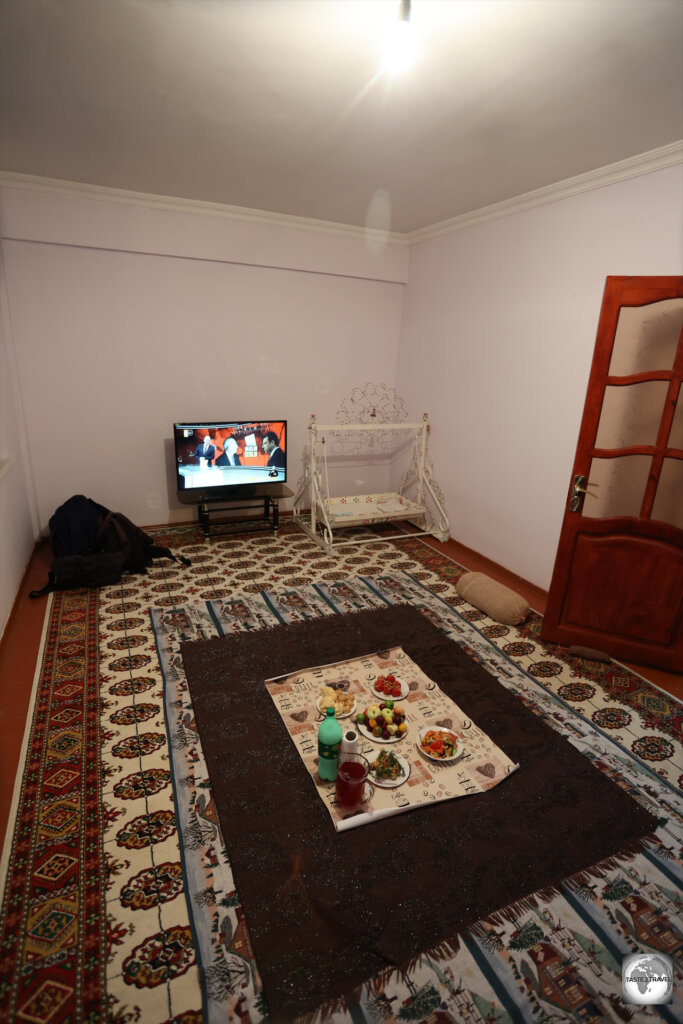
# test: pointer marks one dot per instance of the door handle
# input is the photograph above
(579, 489)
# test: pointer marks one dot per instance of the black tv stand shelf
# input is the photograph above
(264, 497)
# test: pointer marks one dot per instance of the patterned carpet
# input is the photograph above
(119, 903)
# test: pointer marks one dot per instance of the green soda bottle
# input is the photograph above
(329, 738)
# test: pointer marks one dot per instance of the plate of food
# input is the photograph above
(344, 703)
(389, 770)
(382, 723)
(389, 686)
(439, 745)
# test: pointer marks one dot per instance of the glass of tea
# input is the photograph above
(353, 789)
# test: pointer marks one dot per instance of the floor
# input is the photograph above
(21, 642)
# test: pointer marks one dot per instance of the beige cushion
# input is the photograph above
(499, 602)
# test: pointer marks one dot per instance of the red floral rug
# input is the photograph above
(54, 936)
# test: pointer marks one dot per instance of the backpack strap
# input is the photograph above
(156, 551)
(48, 588)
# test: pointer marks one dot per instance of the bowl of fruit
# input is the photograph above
(389, 686)
(384, 722)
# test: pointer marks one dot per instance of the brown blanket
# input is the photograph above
(327, 910)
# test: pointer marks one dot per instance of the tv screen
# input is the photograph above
(229, 457)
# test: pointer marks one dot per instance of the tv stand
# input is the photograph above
(261, 496)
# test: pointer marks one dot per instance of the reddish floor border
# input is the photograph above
(53, 929)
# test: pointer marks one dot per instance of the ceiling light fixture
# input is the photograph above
(399, 45)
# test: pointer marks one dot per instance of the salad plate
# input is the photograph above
(383, 770)
(392, 688)
(432, 739)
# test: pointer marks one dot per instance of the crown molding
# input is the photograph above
(103, 193)
(633, 167)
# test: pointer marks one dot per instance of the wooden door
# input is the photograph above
(617, 585)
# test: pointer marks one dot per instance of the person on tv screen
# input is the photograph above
(276, 456)
(205, 450)
(229, 456)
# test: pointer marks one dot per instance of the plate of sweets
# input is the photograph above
(344, 703)
(382, 723)
(389, 770)
(440, 745)
(389, 686)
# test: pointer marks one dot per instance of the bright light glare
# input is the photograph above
(399, 48)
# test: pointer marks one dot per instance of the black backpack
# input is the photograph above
(116, 533)
(74, 526)
(93, 546)
(71, 572)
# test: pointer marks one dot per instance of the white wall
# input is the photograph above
(17, 529)
(499, 329)
(127, 319)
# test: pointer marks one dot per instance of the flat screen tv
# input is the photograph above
(230, 458)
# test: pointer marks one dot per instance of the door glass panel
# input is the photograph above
(619, 485)
(631, 414)
(668, 503)
(676, 432)
(646, 337)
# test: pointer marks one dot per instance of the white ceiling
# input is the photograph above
(280, 105)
